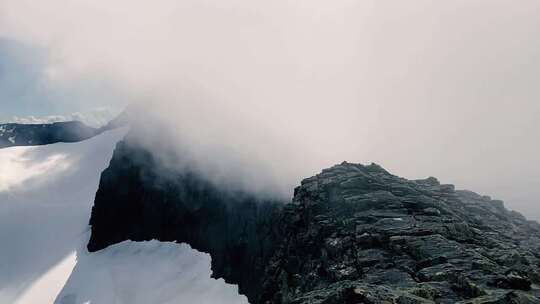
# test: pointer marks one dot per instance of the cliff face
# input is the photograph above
(358, 234)
(353, 234)
(141, 199)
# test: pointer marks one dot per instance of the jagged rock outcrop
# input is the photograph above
(358, 234)
(15, 134)
(352, 234)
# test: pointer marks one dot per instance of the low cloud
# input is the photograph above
(274, 91)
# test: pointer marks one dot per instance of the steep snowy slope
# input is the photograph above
(46, 194)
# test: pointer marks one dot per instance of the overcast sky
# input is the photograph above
(442, 88)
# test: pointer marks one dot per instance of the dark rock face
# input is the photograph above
(357, 234)
(353, 234)
(14, 134)
(139, 198)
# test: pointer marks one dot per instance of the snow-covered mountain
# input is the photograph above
(46, 195)
(32, 134)
(162, 233)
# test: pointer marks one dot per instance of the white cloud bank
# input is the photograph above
(288, 87)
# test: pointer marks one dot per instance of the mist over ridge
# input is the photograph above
(270, 93)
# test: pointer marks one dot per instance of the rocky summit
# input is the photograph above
(358, 234)
(352, 234)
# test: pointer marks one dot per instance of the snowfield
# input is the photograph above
(46, 196)
(146, 272)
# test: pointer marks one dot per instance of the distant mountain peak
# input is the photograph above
(30, 134)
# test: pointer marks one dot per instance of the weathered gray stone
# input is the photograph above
(352, 234)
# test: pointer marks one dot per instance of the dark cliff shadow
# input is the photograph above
(140, 198)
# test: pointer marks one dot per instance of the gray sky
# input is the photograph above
(25, 89)
(447, 89)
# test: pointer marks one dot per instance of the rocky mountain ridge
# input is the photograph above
(16, 134)
(352, 234)
(358, 234)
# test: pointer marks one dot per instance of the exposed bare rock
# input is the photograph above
(352, 234)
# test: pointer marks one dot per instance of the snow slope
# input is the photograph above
(46, 195)
(146, 272)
